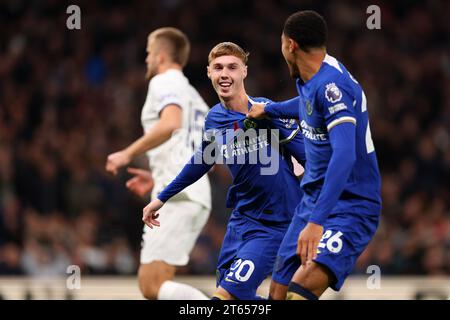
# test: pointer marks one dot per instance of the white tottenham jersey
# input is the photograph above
(168, 159)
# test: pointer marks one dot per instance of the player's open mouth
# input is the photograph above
(225, 84)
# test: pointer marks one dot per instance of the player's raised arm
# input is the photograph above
(169, 121)
(285, 109)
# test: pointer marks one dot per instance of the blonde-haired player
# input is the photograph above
(263, 201)
(172, 117)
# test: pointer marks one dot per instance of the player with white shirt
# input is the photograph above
(172, 118)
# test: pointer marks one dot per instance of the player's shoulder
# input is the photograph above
(332, 71)
(214, 113)
(169, 79)
(254, 100)
(215, 109)
(335, 77)
(335, 71)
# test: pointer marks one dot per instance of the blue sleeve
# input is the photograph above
(296, 147)
(342, 139)
(192, 171)
(288, 109)
(291, 137)
(336, 103)
(294, 144)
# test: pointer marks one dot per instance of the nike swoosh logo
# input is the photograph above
(229, 280)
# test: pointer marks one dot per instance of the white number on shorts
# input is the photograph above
(239, 265)
(334, 243)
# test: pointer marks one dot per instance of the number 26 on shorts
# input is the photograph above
(332, 242)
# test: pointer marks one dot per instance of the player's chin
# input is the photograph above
(224, 93)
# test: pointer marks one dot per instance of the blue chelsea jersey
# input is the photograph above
(332, 96)
(268, 197)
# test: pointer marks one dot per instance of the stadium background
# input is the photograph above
(68, 98)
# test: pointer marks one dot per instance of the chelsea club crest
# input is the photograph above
(249, 124)
(309, 108)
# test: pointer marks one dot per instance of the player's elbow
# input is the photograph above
(173, 126)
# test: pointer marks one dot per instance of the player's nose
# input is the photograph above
(224, 74)
(224, 77)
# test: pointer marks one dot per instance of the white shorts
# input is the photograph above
(172, 242)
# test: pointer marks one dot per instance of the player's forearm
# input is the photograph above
(285, 109)
(342, 139)
(191, 173)
(152, 139)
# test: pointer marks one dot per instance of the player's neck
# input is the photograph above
(237, 103)
(309, 63)
(168, 66)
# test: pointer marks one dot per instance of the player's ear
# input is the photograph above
(161, 57)
(293, 46)
(245, 72)
(208, 72)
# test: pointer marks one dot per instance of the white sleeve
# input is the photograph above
(165, 93)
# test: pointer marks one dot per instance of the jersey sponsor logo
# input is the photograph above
(337, 107)
(332, 93)
(311, 133)
(245, 145)
(231, 147)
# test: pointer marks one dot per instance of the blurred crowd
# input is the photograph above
(68, 98)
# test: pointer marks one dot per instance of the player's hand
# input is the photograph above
(149, 213)
(308, 241)
(116, 161)
(142, 182)
(257, 111)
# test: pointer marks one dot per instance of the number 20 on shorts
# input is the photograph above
(238, 267)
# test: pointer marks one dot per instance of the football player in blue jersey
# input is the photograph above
(263, 194)
(340, 210)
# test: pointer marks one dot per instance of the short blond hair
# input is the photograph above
(228, 49)
(178, 43)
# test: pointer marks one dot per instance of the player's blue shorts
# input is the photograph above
(248, 254)
(345, 237)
